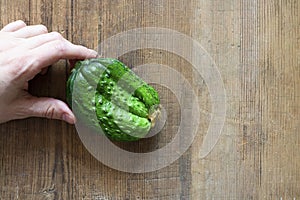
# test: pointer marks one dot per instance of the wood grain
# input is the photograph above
(255, 45)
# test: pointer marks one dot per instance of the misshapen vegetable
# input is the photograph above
(126, 107)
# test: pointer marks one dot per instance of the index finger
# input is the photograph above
(53, 51)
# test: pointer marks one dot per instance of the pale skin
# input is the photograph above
(26, 51)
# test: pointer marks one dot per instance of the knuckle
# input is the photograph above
(34, 65)
(60, 46)
(43, 29)
(56, 35)
(21, 22)
(50, 112)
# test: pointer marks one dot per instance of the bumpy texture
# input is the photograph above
(123, 103)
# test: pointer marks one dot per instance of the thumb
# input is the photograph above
(48, 108)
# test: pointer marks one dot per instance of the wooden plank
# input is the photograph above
(280, 102)
(217, 27)
(255, 47)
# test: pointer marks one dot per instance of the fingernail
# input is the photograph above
(93, 53)
(68, 118)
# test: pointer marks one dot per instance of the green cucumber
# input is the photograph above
(125, 106)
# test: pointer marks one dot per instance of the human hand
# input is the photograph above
(25, 51)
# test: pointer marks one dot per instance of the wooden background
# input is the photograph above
(255, 44)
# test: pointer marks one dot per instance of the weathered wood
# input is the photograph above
(255, 45)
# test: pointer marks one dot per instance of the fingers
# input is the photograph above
(48, 108)
(30, 31)
(53, 51)
(39, 40)
(36, 49)
(14, 26)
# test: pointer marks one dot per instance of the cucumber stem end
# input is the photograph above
(154, 114)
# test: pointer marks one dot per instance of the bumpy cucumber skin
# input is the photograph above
(118, 123)
(131, 82)
(122, 102)
(112, 92)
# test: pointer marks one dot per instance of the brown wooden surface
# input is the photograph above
(255, 45)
